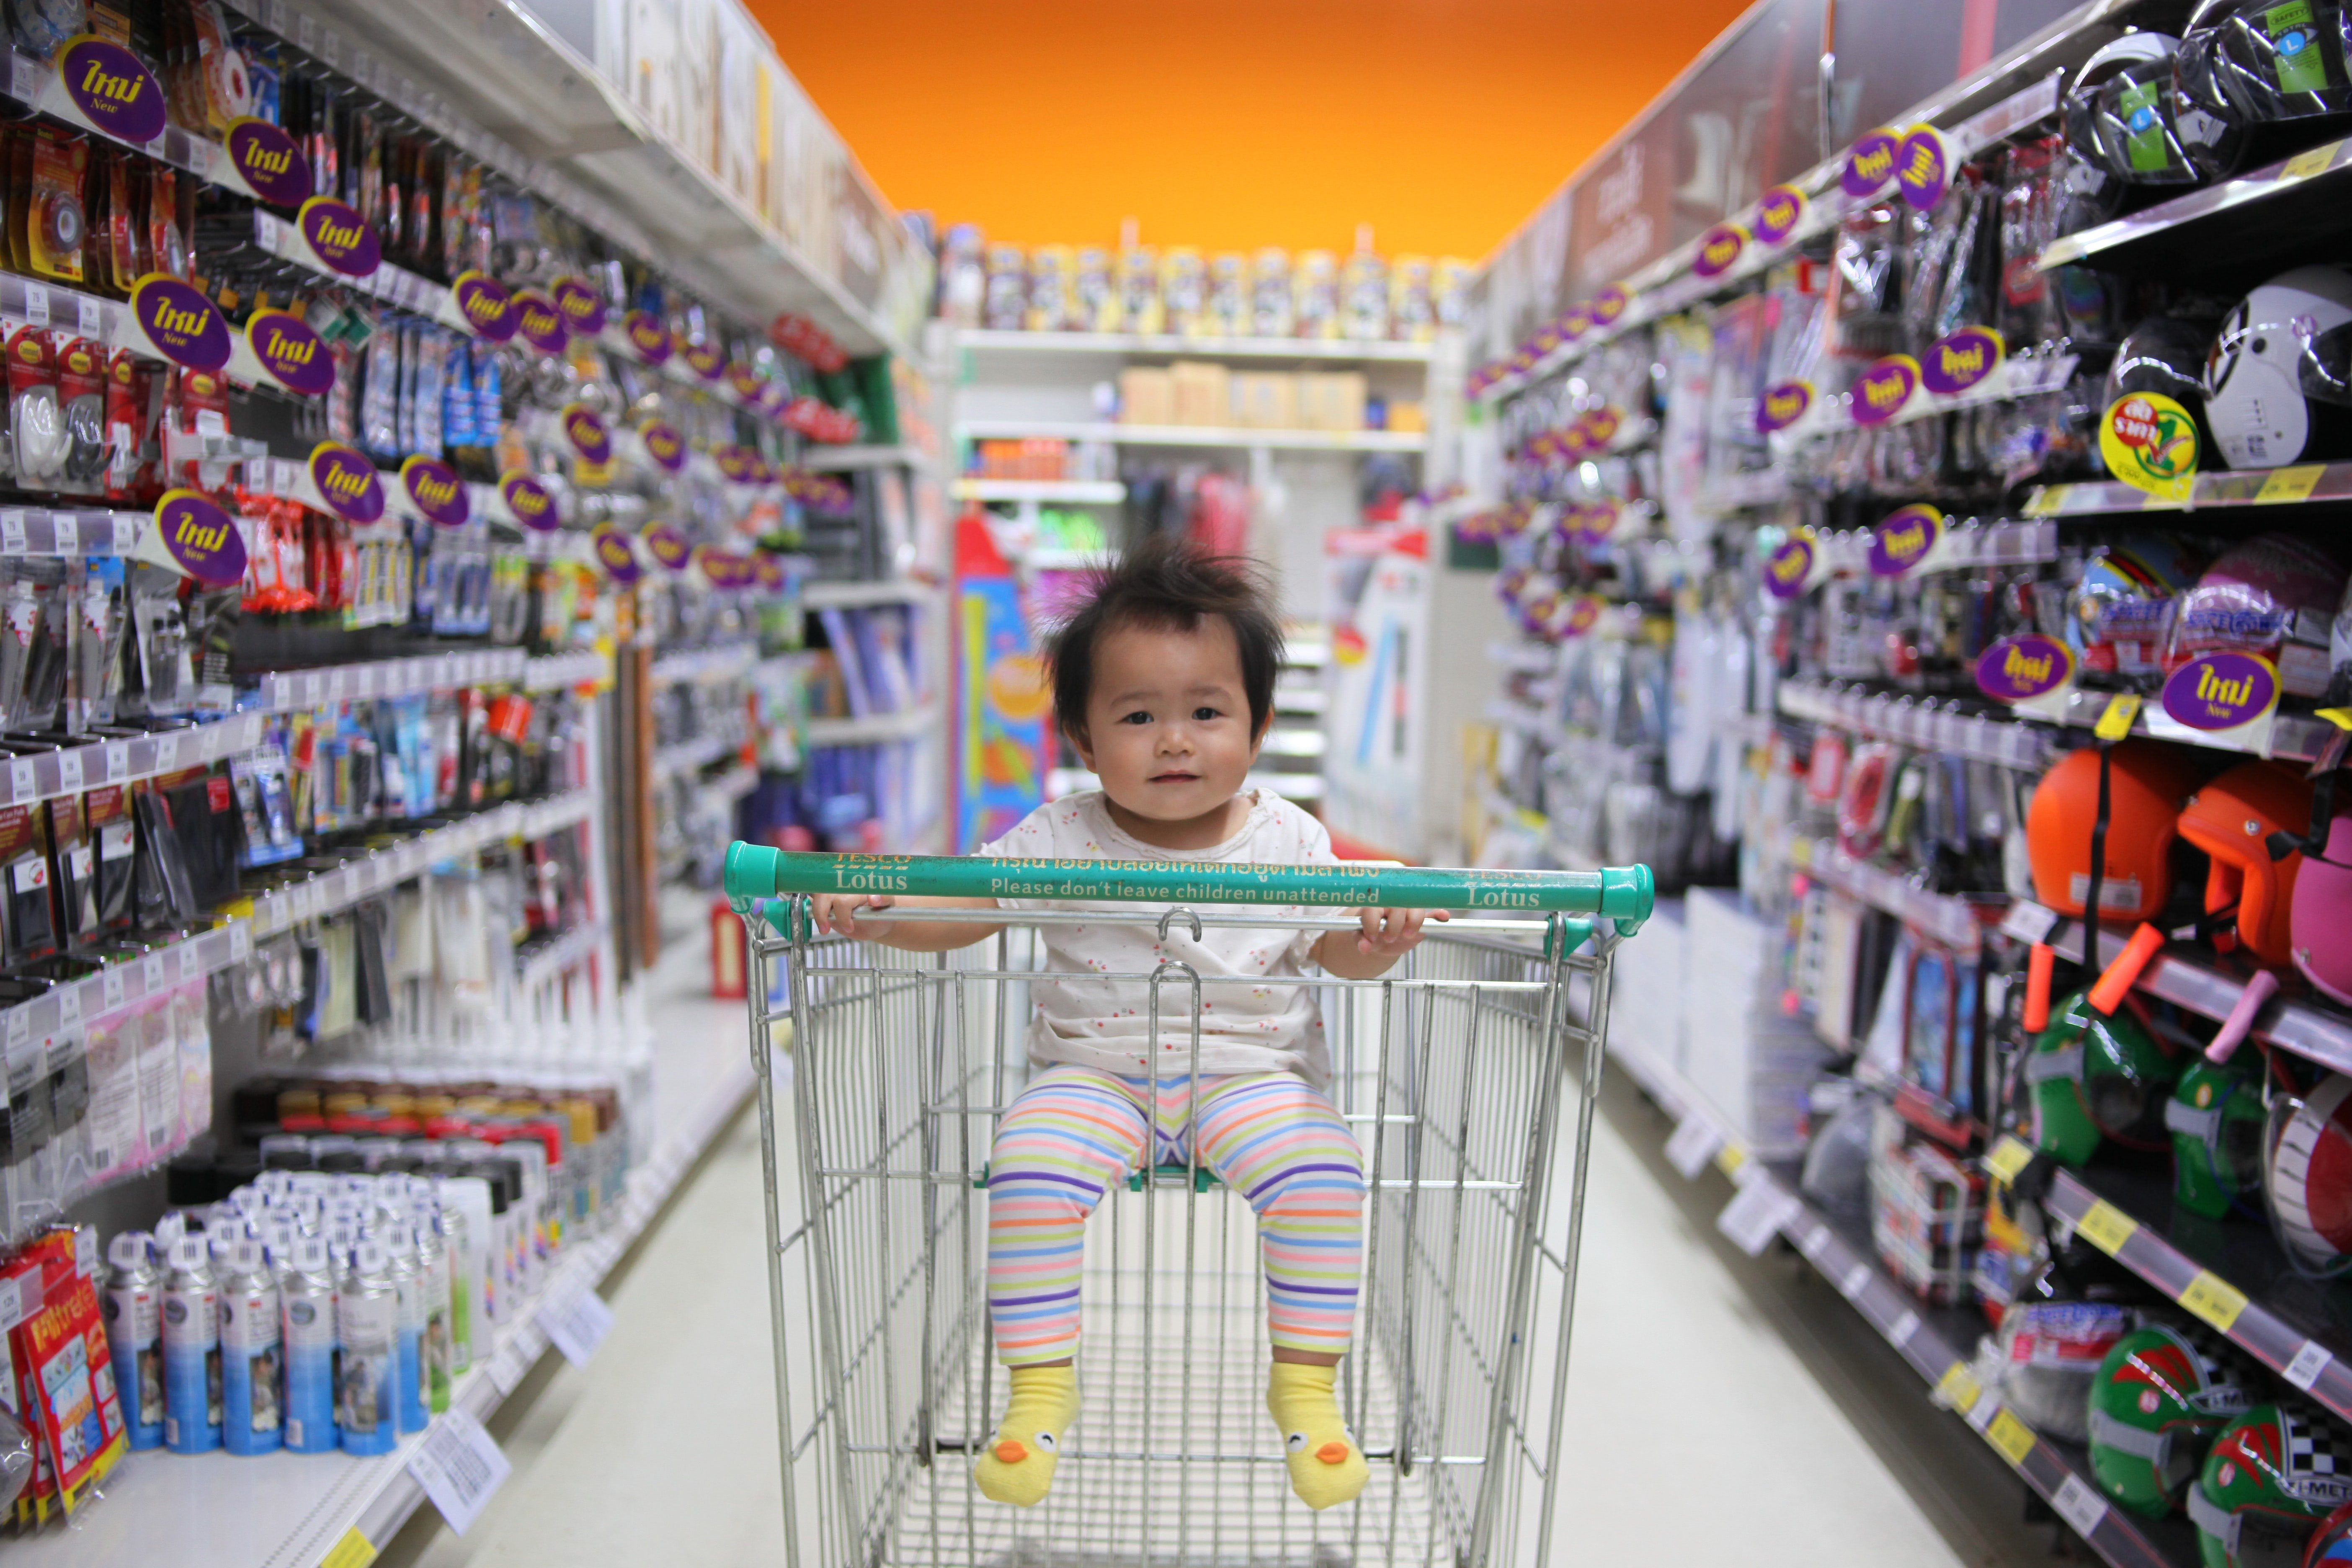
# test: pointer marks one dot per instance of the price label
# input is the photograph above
(37, 304)
(1755, 1216)
(353, 1551)
(2013, 1438)
(68, 1007)
(69, 770)
(12, 1305)
(2115, 721)
(1899, 1331)
(1816, 1242)
(2214, 1298)
(459, 1466)
(2079, 1505)
(2309, 1362)
(1694, 1142)
(506, 1369)
(2107, 1227)
(167, 751)
(1730, 1158)
(2303, 165)
(118, 761)
(2027, 921)
(23, 785)
(89, 321)
(2006, 1158)
(2285, 485)
(65, 534)
(240, 942)
(1857, 1281)
(109, 980)
(152, 978)
(20, 1029)
(191, 963)
(1957, 1389)
(577, 1325)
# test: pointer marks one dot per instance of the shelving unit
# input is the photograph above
(1126, 345)
(1195, 435)
(1064, 492)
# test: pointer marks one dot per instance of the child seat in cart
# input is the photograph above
(1469, 1076)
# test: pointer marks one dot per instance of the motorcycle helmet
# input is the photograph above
(2147, 782)
(2319, 923)
(2233, 819)
(2278, 380)
(2092, 1076)
(2158, 1399)
(2270, 1477)
(2051, 1352)
(2333, 1542)
(2215, 1116)
(2273, 595)
(2118, 114)
(2255, 62)
(2119, 616)
(2307, 1177)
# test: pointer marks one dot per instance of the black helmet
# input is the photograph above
(2249, 63)
(2119, 116)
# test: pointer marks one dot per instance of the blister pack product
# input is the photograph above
(114, 839)
(74, 871)
(29, 927)
(81, 404)
(48, 205)
(2275, 595)
(36, 420)
(163, 895)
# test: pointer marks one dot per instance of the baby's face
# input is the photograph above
(1168, 723)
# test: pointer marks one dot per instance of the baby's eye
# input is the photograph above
(1137, 718)
(1202, 715)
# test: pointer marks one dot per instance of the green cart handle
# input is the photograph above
(1621, 893)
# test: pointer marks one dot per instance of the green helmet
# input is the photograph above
(2273, 1475)
(2158, 1399)
(2216, 1118)
(2092, 1075)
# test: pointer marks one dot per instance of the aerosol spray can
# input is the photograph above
(367, 1325)
(433, 1269)
(252, 1355)
(307, 1309)
(408, 1289)
(191, 1350)
(133, 1305)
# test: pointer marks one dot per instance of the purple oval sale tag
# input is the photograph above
(647, 336)
(347, 482)
(1783, 406)
(182, 325)
(1719, 249)
(734, 463)
(1881, 392)
(339, 237)
(1575, 321)
(1778, 211)
(2017, 668)
(2222, 690)
(1583, 614)
(111, 87)
(613, 554)
(1547, 338)
(768, 571)
(1958, 361)
(295, 357)
(201, 537)
(532, 504)
(1608, 305)
(1923, 167)
(586, 432)
(1599, 520)
(266, 159)
(707, 361)
(668, 546)
(1902, 541)
(487, 307)
(582, 307)
(437, 491)
(665, 446)
(1787, 569)
(540, 323)
(1869, 164)
(745, 382)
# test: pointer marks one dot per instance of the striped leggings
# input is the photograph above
(1074, 1133)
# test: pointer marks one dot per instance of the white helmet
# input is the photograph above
(2276, 385)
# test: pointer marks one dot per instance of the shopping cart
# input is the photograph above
(1452, 1071)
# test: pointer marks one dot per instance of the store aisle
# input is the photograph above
(1682, 1387)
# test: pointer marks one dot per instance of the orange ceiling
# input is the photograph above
(1229, 124)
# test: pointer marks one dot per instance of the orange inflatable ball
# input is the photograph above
(2149, 782)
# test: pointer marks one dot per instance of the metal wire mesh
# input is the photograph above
(1467, 1076)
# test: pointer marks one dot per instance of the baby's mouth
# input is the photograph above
(1174, 778)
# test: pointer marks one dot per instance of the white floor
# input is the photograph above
(1699, 1438)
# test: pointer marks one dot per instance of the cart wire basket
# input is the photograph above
(1468, 1074)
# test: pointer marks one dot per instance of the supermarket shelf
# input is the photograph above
(35, 531)
(1972, 545)
(2306, 484)
(981, 341)
(1917, 721)
(734, 784)
(1075, 492)
(841, 459)
(518, 76)
(858, 596)
(2188, 977)
(1195, 435)
(1294, 743)
(723, 661)
(393, 285)
(1289, 786)
(555, 672)
(1298, 698)
(287, 692)
(295, 1511)
(693, 756)
(539, 967)
(2239, 230)
(1524, 659)
(2234, 1279)
(2056, 1475)
(1949, 918)
(873, 729)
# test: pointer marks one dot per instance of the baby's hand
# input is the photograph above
(1392, 933)
(838, 912)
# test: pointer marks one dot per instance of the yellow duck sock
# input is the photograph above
(1326, 1469)
(1018, 1468)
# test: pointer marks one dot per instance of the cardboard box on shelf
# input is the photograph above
(1146, 396)
(1205, 392)
(1331, 400)
(1265, 400)
(1408, 418)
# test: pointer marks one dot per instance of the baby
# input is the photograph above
(1163, 679)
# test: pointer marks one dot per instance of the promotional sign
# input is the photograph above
(1907, 541)
(281, 347)
(540, 323)
(708, 360)
(110, 88)
(529, 503)
(343, 482)
(669, 547)
(664, 444)
(2149, 441)
(1923, 167)
(194, 538)
(2225, 696)
(1958, 361)
(648, 339)
(613, 554)
(1795, 567)
(1719, 249)
(1884, 390)
(1608, 305)
(584, 430)
(483, 306)
(435, 492)
(179, 323)
(1870, 164)
(1778, 211)
(265, 162)
(1003, 739)
(339, 238)
(1782, 405)
(582, 307)
(2031, 672)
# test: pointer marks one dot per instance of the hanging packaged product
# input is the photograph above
(74, 872)
(28, 920)
(114, 837)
